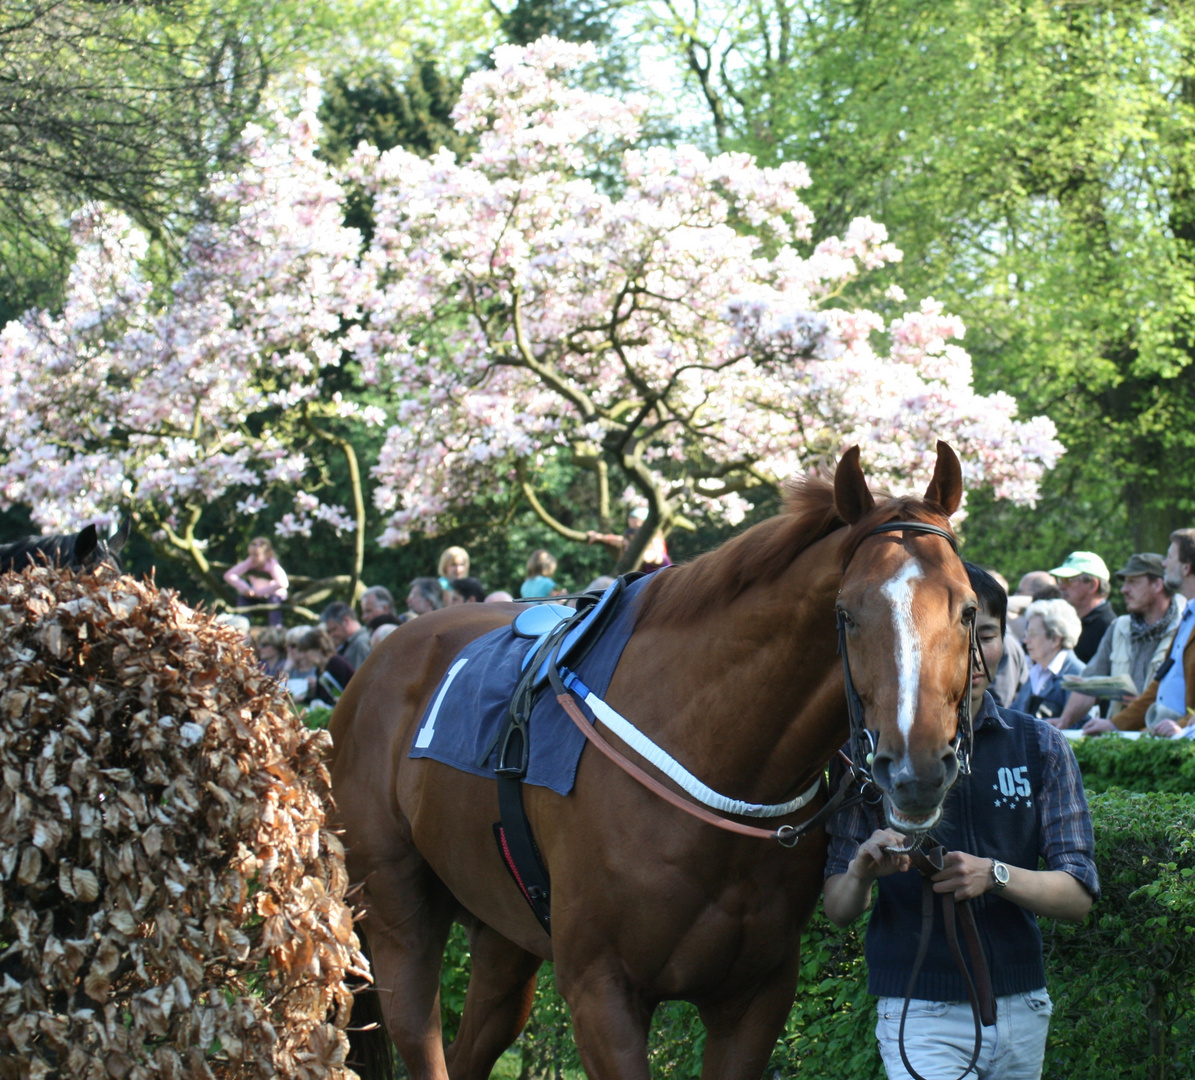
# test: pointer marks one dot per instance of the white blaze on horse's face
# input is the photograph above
(899, 591)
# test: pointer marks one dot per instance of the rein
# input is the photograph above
(979, 988)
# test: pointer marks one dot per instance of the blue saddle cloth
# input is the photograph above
(468, 709)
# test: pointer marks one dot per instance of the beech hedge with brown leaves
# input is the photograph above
(173, 902)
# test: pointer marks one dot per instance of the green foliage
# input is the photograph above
(1033, 162)
(377, 108)
(1123, 980)
(1141, 765)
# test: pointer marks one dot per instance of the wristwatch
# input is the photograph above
(999, 873)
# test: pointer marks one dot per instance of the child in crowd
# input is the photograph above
(538, 583)
(259, 579)
(271, 650)
(454, 564)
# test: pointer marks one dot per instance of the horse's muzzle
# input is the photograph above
(914, 791)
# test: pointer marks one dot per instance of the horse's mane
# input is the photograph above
(765, 551)
(60, 549)
(27, 551)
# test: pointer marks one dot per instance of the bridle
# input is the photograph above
(979, 989)
(861, 741)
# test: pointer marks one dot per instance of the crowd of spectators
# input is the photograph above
(316, 661)
(1068, 657)
(1071, 660)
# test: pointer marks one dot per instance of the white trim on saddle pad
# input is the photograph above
(672, 768)
(426, 732)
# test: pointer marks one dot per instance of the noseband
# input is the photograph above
(862, 743)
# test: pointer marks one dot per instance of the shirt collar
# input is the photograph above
(1055, 665)
(989, 713)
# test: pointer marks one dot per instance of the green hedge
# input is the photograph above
(1123, 981)
(1136, 765)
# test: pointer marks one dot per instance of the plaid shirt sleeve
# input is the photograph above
(1067, 839)
(847, 830)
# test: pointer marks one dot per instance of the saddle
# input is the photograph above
(559, 633)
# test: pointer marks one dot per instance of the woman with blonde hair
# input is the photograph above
(454, 564)
(538, 582)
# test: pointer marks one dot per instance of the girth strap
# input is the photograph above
(979, 989)
(519, 852)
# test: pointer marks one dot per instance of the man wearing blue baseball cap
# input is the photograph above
(1085, 583)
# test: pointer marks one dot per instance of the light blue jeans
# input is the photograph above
(940, 1038)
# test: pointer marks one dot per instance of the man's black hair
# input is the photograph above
(337, 612)
(990, 594)
(470, 588)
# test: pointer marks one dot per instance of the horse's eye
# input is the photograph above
(969, 614)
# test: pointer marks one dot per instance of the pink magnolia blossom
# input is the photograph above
(127, 399)
(561, 291)
(522, 308)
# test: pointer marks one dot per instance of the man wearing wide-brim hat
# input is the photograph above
(1136, 644)
(1085, 584)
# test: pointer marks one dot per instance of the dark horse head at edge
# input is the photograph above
(76, 550)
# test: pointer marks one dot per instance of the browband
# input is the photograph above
(916, 526)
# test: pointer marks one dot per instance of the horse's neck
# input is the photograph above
(750, 697)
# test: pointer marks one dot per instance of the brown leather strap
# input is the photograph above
(979, 989)
(570, 706)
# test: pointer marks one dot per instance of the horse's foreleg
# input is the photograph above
(741, 1032)
(610, 1023)
(497, 1003)
(409, 915)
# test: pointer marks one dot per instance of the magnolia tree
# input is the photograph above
(164, 405)
(653, 316)
(650, 313)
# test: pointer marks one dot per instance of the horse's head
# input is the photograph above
(87, 548)
(905, 610)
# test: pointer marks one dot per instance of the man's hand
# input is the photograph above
(874, 860)
(848, 895)
(1097, 725)
(967, 876)
(1167, 729)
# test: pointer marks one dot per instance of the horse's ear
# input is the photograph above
(852, 498)
(122, 535)
(85, 543)
(946, 488)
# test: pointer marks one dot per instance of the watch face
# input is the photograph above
(1000, 872)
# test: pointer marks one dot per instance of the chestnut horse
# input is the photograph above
(731, 668)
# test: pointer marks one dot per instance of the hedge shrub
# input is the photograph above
(1136, 764)
(172, 903)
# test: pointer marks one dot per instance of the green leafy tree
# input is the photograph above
(1033, 162)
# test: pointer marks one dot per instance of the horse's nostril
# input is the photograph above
(881, 770)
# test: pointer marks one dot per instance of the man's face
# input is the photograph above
(1079, 591)
(372, 607)
(1139, 592)
(417, 602)
(337, 631)
(1175, 570)
(991, 645)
